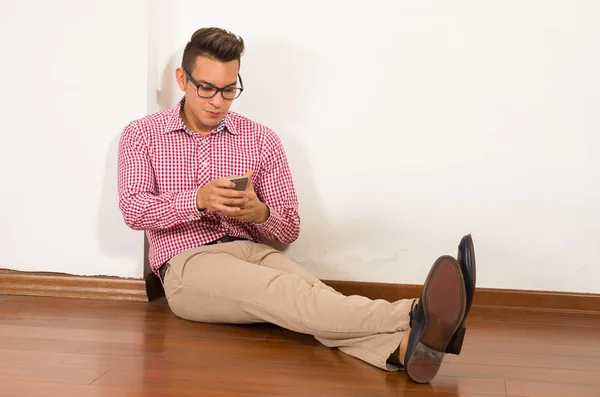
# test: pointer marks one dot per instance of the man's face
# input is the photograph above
(207, 113)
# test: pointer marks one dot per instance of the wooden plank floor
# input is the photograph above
(67, 347)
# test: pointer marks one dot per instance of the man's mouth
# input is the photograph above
(212, 114)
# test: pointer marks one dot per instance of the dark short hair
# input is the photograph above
(215, 43)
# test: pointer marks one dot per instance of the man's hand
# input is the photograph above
(253, 210)
(218, 195)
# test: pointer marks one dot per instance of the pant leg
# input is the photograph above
(374, 349)
(225, 283)
(265, 255)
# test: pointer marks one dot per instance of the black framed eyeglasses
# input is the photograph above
(208, 91)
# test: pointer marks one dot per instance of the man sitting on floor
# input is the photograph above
(207, 237)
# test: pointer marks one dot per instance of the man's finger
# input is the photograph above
(249, 186)
(225, 210)
(240, 202)
(224, 183)
(230, 193)
(242, 213)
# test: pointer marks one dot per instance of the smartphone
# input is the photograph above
(240, 182)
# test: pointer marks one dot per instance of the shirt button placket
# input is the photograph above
(204, 152)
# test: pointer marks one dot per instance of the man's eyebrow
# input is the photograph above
(212, 85)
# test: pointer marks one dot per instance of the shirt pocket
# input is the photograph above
(234, 160)
(176, 167)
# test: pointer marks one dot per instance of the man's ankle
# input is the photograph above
(394, 358)
(397, 357)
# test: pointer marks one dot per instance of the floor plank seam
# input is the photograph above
(512, 379)
(531, 323)
(525, 367)
(595, 313)
(104, 373)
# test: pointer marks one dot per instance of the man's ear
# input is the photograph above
(180, 78)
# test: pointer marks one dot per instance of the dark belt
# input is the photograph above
(225, 239)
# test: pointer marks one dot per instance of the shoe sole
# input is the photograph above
(470, 252)
(455, 345)
(444, 305)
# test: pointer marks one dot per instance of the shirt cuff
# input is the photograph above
(271, 225)
(185, 205)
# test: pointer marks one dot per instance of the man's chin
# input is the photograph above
(211, 122)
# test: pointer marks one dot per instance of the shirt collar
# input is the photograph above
(175, 121)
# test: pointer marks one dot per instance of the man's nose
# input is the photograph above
(217, 100)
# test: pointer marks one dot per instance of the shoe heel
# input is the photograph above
(424, 364)
(456, 343)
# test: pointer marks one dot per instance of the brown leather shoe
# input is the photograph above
(435, 319)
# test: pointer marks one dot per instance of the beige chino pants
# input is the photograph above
(245, 282)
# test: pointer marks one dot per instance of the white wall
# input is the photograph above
(487, 126)
(426, 121)
(73, 73)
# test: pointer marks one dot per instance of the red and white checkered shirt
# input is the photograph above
(162, 164)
